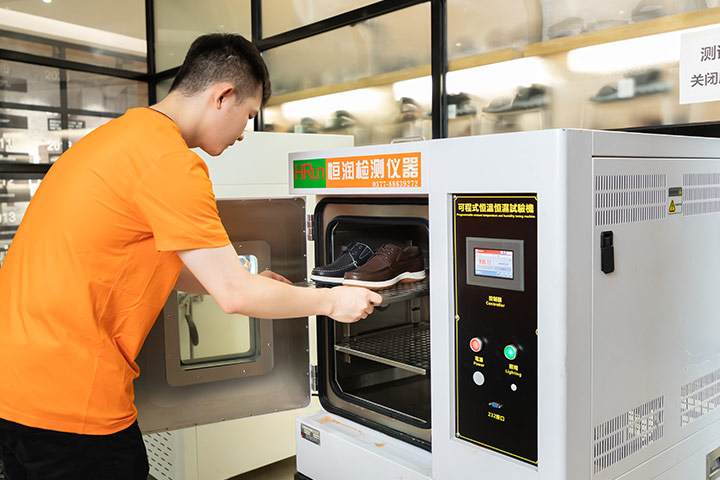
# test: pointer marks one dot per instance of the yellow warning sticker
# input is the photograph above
(676, 200)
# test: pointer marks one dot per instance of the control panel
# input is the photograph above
(495, 266)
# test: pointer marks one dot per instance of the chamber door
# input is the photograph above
(200, 365)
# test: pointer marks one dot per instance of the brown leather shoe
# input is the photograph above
(391, 264)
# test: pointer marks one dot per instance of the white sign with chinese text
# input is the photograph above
(700, 66)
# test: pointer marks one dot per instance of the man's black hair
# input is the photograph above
(223, 57)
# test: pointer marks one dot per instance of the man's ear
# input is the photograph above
(222, 93)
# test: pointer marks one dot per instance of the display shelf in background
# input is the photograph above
(645, 28)
(655, 26)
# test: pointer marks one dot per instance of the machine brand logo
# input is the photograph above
(309, 173)
(401, 170)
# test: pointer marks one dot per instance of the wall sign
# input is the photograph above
(13, 84)
(700, 66)
(55, 124)
(13, 121)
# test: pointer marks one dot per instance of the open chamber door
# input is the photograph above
(200, 365)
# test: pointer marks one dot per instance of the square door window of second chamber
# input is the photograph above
(209, 336)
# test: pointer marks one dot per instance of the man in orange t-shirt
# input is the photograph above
(122, 217)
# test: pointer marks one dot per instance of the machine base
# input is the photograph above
(331, 447)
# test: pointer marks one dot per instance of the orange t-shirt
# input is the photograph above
(90, 268)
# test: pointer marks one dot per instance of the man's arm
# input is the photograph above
(187, 282)
(236, 290)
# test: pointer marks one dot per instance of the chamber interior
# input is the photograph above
(383, 362)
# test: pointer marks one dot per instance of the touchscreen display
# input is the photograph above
(493, 263)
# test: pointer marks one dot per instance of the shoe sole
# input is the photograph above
(330, 280)
(404, 277)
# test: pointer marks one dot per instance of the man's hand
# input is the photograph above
(350, 304)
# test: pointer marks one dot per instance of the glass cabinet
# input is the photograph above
(369, 80)
(522, 65)
(65, 69)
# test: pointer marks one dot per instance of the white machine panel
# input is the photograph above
(581, 265)
(654, 316)
(628, 352)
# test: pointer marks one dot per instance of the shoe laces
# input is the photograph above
(351, 255)
(386, 251)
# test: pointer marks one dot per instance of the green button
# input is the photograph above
(510, 352)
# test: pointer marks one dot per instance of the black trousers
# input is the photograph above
(35, 454)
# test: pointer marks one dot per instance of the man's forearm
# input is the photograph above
(238, 291)
(261, 297)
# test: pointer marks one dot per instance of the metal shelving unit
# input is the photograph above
(404, 291)
(407, 347)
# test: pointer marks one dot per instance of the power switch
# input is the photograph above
(476, 344)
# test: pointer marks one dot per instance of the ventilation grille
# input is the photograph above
(699, 397)
(628, 433)
(160, 455)
(701, 193)
(629, 198)
(695, 179)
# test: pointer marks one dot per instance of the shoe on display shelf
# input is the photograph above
(566, 28)
(647, 10)
(461, 103)
(526, 98)
(354, 256)
(306, 125)
(390, 265)
(409, 110)
(341, 119)
(534, 96)
(499, 105)
(458, 106)
(637, 85)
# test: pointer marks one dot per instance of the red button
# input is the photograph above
(476, 344)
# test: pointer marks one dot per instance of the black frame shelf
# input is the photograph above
(406, 347)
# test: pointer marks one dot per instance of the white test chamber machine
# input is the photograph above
(572, 318)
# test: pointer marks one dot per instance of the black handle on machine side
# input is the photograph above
(607, 252)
